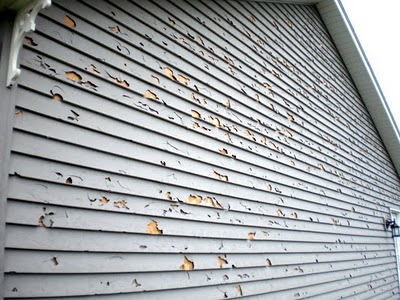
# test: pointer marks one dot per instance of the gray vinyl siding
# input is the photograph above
(196, 150)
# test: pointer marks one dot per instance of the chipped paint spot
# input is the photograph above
(251, 235)
(269, 263)
(121, 204)
(192, 199)
(294, 215)
(215, 120)
(56, 96)
(104, 200)
(196, 114)
(239, 290)
(19, 113)
(94, 69)
(220, 176)
(288, 133)
(40, 222)
(152, 228)
(171, 21)
(69, 21)
(321, 166)
(29, 41)
(212, 202)
(168, 195)
(170, 73)
(228, 104)
(184, 80)
(280, 213)
(54, 261)
(73, 76)
(187, 264)
(115, 29)
(272, 146)
(221, 261)
(290, 117)
(68, 180)
(223, 151)
(150, 95)
(155, 79)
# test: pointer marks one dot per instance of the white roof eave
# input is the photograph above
(345, 40)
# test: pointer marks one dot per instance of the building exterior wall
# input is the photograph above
(193, 149)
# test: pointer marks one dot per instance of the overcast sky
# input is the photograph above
(377, 27)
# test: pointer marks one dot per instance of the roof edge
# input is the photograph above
(343, 35)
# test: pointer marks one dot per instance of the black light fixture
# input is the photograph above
(395, 228)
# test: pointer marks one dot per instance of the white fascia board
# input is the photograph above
(345, 39)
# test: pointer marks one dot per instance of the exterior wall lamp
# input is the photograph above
(395, 228)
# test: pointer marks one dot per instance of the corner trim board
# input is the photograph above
(24, 23)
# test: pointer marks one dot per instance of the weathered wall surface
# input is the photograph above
(194, 149)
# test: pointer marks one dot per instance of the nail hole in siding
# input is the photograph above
(68, 180)
(54, 261)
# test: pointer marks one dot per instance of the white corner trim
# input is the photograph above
(24, 22)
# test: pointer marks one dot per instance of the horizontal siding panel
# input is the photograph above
(193, 149)
(76, 285)
(27, 237)
(131, 49)
(60, 217)
(17, 261)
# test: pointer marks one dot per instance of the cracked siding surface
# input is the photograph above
(194, 149)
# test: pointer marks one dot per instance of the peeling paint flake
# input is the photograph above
(187, 264)
(29, 41)
(220, 176)
(221, 261)
(170, 73)
(121, 204)
(193, 199)
(152, 228)
(184, 80)
(150, 95)
(239, 290)
(196, 114)
(73, 76)
(69, 21)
